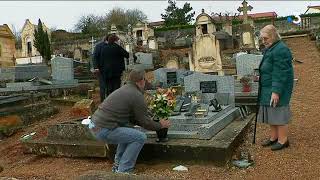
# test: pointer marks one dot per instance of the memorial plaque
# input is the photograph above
(208, 86)
(171, 78)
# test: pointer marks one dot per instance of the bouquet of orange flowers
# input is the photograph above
(163, 102)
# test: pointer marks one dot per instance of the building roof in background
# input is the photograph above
(263, 15)
(5, 31)
(313, 9)
(156, 23)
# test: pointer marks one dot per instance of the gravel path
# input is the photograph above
(300, 161)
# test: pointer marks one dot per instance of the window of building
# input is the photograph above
(139, 33)
(218, 27)
(29, 48)
(204, 28)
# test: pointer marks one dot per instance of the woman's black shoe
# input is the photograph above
(268, 142)
(279, 146)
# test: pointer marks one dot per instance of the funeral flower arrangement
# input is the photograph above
(162, 103)
(245, 80)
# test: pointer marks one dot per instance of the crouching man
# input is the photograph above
(114, 119)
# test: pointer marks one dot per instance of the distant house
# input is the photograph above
(312, 9)
(156, 24)
(27, 38)
(7, 46)
(254, 16)
(263, 15)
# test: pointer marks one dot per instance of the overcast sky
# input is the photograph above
(64, 15)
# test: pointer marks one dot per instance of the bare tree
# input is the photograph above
(17, 36)
(91, 23)
(88, 24)
(121, 17)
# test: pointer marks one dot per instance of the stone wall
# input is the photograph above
(78, 49)
(7, 51)
(180, 55)
(168, 38)
(283, 25)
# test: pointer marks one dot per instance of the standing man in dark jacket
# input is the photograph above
(97, 65)
(113, 63)
(115, 117)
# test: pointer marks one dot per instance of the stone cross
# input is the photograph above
(92, 44)
(130, 41)
(146, 31)
(245, 8)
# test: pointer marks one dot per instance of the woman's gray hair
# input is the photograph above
(271, 31)
(136, 74)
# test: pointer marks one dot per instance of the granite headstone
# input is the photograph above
(145, 59)
(62, 70)
(247, 63)
(211, 86)
(169, 77)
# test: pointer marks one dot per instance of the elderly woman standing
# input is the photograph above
(275, 86)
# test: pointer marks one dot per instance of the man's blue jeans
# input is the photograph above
(130, 142)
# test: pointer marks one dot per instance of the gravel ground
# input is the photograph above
(299, 161)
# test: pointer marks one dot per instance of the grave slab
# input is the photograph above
(59, 148)
(218, 150)
(206, 128)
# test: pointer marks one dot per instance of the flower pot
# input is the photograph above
(162, 135)
(246, 88)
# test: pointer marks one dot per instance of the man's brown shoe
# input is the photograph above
(268, 142)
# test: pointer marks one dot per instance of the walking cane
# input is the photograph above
(255, 123)
(257, 110)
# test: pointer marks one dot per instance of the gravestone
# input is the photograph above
(169, 77)
(206, 46)
(172, 78)
(7, 74)
(172, 63)
(62, 71)
(145, 59)
(211, 86)
(25, 72)
(247, 63)
(203, 119)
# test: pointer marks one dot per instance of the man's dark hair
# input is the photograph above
(113, 38)
(106, 37)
